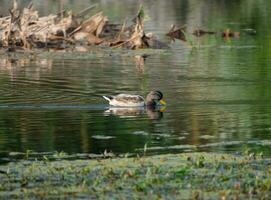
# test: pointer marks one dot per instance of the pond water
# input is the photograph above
(218, 94)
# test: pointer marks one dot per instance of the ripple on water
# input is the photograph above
(217, 92)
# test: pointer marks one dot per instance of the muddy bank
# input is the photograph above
(181, 176)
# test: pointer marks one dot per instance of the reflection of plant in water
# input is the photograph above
(145, 149)
(139, 62)
(14, 66)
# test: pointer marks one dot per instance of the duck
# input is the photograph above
(154, 98)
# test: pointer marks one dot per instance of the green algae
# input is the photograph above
(171, 176)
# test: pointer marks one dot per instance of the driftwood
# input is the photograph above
(24, 28)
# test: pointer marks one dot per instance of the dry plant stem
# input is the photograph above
(25, 28)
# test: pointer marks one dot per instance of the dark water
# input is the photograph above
(218, 95)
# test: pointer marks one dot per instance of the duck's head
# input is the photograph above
(155, 98)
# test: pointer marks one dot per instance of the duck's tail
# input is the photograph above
(108, 98)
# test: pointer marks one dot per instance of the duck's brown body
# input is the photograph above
(124, 100)
(128, 100)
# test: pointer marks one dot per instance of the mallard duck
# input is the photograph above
(154, 98)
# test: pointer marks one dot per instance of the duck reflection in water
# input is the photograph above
(152, 112)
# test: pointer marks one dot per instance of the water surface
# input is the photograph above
(218, 94)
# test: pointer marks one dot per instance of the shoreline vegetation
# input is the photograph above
(24, 30)
(170, 176)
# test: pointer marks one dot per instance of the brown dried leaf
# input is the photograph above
(92, 39)
(177, 33)
(94, 24)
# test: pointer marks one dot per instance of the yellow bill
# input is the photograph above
(163, 109)
(162, 102)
